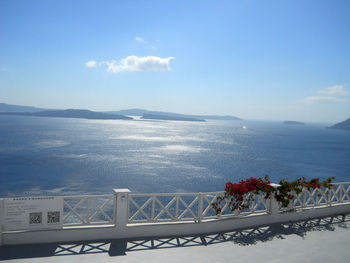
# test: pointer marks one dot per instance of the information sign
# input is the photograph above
(33, 213)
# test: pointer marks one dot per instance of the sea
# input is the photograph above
(66, 156)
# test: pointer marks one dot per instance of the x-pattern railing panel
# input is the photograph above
(139, 209)
(257, 204)
(188, 209)
(165, 209)
(339, 193)
(88, 210)
(162, 207)
(309, 198)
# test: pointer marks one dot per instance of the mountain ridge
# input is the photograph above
(4, 107)
(141, 112)
(71, 113)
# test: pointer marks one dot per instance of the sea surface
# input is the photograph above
(61, 156)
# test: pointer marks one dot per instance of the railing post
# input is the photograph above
(274, 207)
(2, 214)
(121, 209)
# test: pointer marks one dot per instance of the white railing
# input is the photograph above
(88, 210)
(339, 193)
(153, 208)
(166, 207)
(130, 215)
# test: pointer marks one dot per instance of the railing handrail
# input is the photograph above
(92, 196)
(195, 193)
(173, 194)
(339, 183)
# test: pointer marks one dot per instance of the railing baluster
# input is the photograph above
(328, 191)
(177, 207)
(88, 211)
(200, 207)
(153, 207)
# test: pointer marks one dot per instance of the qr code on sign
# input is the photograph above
(53, 217)
(35, 218)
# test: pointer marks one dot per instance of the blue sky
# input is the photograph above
(272, 60)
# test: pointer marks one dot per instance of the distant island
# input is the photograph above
(8, 109)
(81, 114)
(168, 118)
(294, 122)
(344, 125)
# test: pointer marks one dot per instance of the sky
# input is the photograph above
(258, 60)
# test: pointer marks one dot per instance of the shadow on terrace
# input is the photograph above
(120, 247)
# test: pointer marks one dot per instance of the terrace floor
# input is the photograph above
(316, 240)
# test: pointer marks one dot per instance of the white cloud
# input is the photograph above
(336, 90)
(140, 39)
(134, 63)
(91, 64)
(332, 94)
(322, 98)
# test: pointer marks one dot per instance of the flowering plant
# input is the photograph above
(239, 195)
(286, 190)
